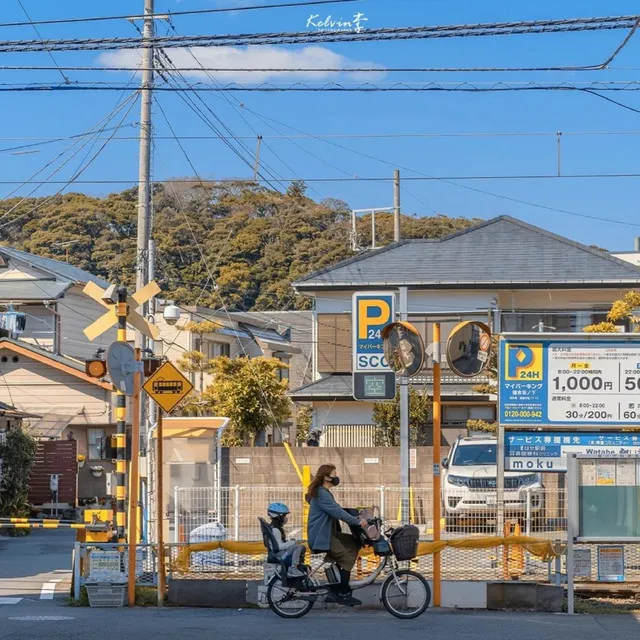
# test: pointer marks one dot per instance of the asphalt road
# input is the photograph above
(37, 566)
(30, 620)
(35, 578)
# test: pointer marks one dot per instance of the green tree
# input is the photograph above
(249, 393)
(251, 241)
(304, 420)
(17, 456)
(386, 416)
(196, 361)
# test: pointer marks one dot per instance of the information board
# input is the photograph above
(569, 382)
(547, 452)
(611, 563)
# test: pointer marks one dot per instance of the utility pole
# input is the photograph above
(144, 167)
(404, 424)
(396, 205)
(143, 252)
(256, 164)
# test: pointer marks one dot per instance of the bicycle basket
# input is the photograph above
(404, 542)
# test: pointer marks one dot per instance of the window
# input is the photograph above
(217, 349)
(334, 343)
(460, 415)
(527, 321)
(283, 374)
(469, 455)
(97, 444)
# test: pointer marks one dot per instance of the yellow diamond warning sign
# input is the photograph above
(167, 386)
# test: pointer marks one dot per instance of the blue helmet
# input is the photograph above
(277, 509)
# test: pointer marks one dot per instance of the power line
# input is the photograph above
(329, 136)
(173, 14)
(188, 100)
(451, 181)
(378, 69)
(334, 87)
(32, 23)
(302, 37)
(79, 171)
(418, 178)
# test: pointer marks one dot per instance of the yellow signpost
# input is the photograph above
(167, 387)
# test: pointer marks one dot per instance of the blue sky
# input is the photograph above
(60, 114)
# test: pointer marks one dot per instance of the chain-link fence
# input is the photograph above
(231, 513)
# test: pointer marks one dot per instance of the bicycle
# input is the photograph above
(404, 593)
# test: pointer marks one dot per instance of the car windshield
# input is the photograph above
(471, 454)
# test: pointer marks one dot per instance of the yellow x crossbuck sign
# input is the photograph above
(110, 318)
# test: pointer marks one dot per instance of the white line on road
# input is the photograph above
(49, 589)
(10, 600)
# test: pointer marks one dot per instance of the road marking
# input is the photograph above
(49, 589)
(10, 600)
(34, 618)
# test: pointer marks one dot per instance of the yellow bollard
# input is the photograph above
(306, 481)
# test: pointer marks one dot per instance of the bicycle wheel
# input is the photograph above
(405, 594)
(286, 602)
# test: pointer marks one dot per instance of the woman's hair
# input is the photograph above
(323, 472)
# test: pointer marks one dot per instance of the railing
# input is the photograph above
(537, 513)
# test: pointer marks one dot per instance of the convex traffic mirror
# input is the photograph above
(469, 348)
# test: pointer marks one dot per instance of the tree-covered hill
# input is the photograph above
(251, 241)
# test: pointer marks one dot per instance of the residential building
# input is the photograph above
(516, 276)
(286, 336)
(630, 256)
(249, 334)
(59, 401)
(49, 293)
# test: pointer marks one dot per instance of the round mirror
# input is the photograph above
(469, 348)
(403, 348)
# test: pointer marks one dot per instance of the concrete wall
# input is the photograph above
(270, 466)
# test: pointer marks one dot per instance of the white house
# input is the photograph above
(506, 272)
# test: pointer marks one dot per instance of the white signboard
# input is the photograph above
(567, 382)
(582, 563)
(594, 385)
(547, 451)
(371, 312)
(105, 566)
(413, 458)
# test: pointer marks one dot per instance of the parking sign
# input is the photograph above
(372, 311)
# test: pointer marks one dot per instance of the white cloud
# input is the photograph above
(255, 57)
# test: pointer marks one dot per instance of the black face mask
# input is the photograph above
(335, 481)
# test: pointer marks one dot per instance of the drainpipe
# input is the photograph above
(57, 329)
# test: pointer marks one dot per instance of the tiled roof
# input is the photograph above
(500, 252)
(61, 270)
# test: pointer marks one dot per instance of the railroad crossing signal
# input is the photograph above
(167, 386)
(110, 318)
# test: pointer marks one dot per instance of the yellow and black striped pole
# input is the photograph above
(121, 428)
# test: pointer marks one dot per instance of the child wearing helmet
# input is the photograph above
(287, 549)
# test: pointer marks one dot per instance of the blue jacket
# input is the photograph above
(324, 512)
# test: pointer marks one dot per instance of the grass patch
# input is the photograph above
(605, 606)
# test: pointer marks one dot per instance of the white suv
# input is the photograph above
(469, 485)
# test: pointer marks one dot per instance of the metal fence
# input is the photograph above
(146, 563)
(538, 513)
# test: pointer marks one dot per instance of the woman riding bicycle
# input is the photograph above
(324, 535)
